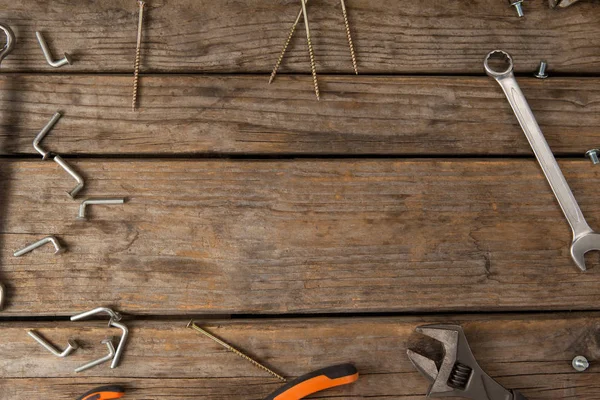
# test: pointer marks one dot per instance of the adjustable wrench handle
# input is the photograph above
(542, 151)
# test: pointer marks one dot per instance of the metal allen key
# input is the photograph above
(235, 351)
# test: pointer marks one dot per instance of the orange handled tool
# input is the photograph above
(104, 393)
(316, 381)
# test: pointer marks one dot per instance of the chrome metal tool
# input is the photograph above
(584, 238)
(8, 46)
(459, 374)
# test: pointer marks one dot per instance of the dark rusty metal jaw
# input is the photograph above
(459, 374)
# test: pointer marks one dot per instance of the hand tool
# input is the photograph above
(459, 374)
(71, 345)
(113, 322)
(584, 238)
(89, 202)
(111, 392)
(235, 351)
(56, 64)
(41, 242)
(109, 356)
(59, 160)
(8, 46)
(316, 381)
(136, 67)
(10, 41)
(44, 132)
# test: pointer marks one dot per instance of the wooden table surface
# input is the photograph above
(305, 233)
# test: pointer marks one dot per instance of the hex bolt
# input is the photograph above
(56, 64)
(41, 242)
(593, 155)
(59, 160)
(109, 356)
(88, 202)
(541, 72)
(580, 363)
(71, 345)
(518, 5)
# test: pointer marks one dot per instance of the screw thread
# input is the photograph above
(285, 46)
(136, 68)
(347, 24)
(313, 67)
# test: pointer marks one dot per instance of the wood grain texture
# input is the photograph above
(426, 36)
(165, 360)
(297, 236)
(241, 115)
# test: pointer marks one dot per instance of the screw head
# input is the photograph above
(593, 155)
(580, 363)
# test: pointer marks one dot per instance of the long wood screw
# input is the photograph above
(313, 67)
(235, 351)
(285, 45)
(352, 54)
(136, 69)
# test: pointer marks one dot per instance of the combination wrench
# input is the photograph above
(584, 238)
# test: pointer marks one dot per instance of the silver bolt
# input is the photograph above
(580, 363)
(593, 155)
(541, 72)
(518, 4)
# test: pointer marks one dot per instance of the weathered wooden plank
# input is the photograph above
(297, 236)
(427, 36)
(224, 114)
(165, 360)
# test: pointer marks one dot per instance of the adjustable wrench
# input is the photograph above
(459, 374)
(584, 238)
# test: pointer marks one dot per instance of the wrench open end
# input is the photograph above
(498, 57)
(581, 245)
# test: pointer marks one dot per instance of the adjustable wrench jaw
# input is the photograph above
(459, 374)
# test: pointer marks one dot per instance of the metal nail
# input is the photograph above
(43, 132)
(56, 64)
(41, 242)
(71, 345)
(114, 316)
(541, 72)
(109, 356)
(593, 155)
(10, 41)
(89, 202)
(580, 363)
(122, 342)
(80, 183)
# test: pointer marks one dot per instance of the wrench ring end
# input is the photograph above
(492, 72)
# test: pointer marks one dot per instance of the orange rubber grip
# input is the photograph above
(316, 381)
(104, 393)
